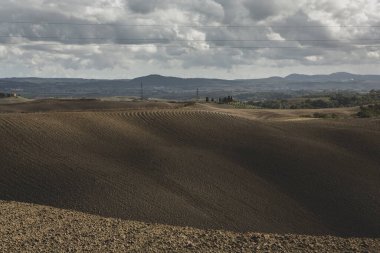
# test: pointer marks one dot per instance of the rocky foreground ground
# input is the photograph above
(34, 228)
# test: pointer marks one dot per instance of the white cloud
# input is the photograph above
(333, 37)
(313, 58)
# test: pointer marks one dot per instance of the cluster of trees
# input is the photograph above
(7, 95)
(327, 101)
(369, 111)
(225, 100)
(221, 100)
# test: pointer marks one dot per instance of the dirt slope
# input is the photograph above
(31, 228)
(198, 168)
(21, 105)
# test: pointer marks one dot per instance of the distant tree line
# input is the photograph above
(327, 101)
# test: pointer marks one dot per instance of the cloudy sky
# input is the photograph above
(199, 38)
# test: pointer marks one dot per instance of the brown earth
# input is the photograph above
(195, 166)
(32, 228)
(280, 114)
(22, 105)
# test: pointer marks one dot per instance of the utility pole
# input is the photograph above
(142, 91)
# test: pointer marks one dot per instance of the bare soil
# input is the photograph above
(197, 166)
(32, 228)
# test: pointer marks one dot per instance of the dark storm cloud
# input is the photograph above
(260, 10)
(144, 7)
(221, 34)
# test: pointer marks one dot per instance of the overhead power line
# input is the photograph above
(186, 46)
(160, 40)
(170, 43)
(185, 25)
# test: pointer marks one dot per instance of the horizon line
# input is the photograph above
(182, 77)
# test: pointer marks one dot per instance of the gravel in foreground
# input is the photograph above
(33, 228)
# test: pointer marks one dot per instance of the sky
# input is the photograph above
(231, 39)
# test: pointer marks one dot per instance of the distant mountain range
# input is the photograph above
(158, 86)
(335, 77)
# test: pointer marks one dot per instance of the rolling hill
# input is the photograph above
(167, 87)
(197, 167)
